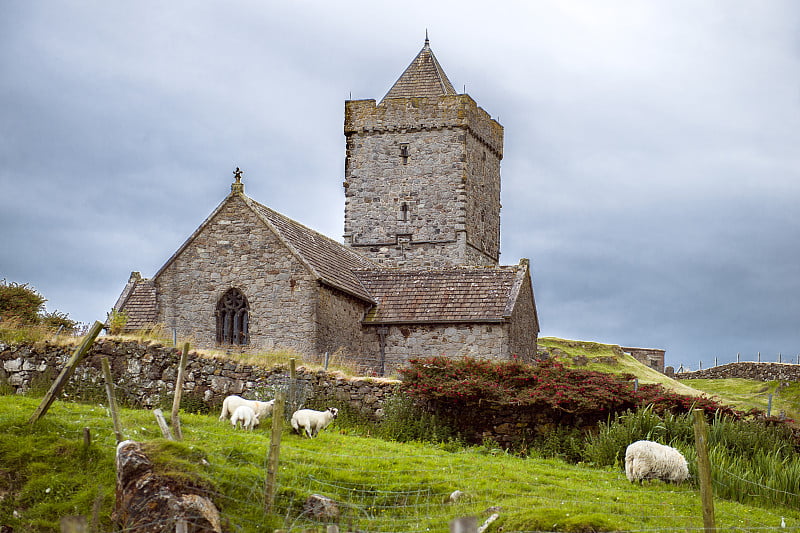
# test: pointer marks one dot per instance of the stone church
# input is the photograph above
(418, 273)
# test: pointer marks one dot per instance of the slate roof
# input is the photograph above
(331, 262)
(424, 77)
(460, 294)
(139, 304)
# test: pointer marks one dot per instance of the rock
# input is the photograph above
(149, 503)
(321, 508)
(455, 496)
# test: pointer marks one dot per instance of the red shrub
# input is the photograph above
(460, 382)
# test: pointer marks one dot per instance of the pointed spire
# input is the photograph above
(424, 77)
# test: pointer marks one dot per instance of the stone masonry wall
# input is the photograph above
(747, 370)
(403, 342)
(652, 357)
(281, 297)
(145, 376)
(482, 190)
(339, 323)
(434, 181)
(523, 332)
(429, 184)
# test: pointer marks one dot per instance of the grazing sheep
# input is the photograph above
(312, 421)
(645, 459)
(245, 415)
(262, 409)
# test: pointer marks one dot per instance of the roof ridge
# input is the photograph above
(335, 269)
(344, 248)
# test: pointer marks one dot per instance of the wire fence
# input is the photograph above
(758, 357)
(389, 492)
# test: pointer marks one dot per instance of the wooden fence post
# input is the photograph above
(274, 451)
(704, 470)
(62, 379)
(176, 401)
(162, 423)
(112, 401)
(292, 400)
(466, 524)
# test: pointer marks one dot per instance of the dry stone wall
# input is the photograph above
(747, 370)
(145, 376)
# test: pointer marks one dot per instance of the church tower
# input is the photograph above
(422, 174)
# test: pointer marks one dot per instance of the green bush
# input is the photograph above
(59, 322)
(563, 442)
(116, 321)
(23, 319)
(21, 301)
(405, 421)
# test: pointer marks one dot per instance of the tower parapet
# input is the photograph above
(422, 174)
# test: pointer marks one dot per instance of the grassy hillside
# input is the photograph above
(743, 394)
(609, 358)
(46, 472)
(746, 394)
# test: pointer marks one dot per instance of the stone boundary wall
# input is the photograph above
(145, 376)
(747, 370)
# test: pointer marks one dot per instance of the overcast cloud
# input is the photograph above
(651, 170)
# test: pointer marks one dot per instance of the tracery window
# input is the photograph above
(233, 318)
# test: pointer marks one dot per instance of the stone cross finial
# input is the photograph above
(237, 186)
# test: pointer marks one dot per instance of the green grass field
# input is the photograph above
(46, 472)
(745, 394)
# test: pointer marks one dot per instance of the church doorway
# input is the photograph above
(233, 318)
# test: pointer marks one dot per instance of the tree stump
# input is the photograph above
(151, 503)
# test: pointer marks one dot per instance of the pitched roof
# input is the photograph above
(331, 262)
(424, 77)
(138, 300)
(462, 294)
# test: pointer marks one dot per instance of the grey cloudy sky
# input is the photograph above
(651, 169)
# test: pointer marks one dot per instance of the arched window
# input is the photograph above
(233, 318)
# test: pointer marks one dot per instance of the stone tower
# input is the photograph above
(422, 174)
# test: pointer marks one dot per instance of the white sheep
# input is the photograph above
(262, 409)
(313, 421)
(646, 459)
(245, 416)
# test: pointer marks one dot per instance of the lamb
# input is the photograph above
(245, 415)
(262, 409)
(313, 421)
(646, 459)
